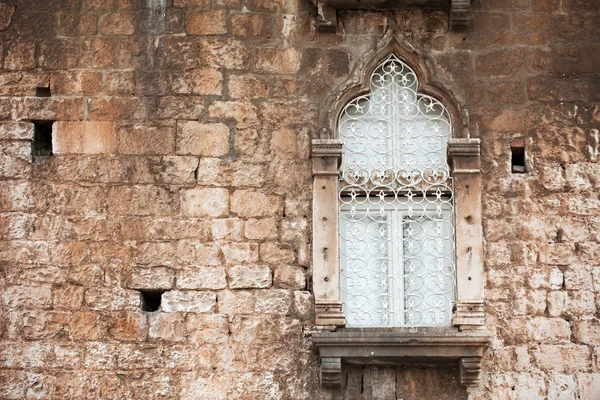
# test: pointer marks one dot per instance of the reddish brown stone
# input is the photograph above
(117, 24)
(206, 23)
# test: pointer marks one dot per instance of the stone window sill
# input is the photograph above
(400, 346)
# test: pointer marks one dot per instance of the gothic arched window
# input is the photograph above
(396, 206)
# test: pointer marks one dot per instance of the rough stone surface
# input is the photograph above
(181, 163)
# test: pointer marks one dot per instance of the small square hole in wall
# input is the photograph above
(42, 139)
(518, 156)
(151, 299)
(43, 92)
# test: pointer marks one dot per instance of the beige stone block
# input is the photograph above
(250, 276)
(274, 301)
(145, 356)
(236, 302)
(247, 87)
(199, 81)
(252, 203)
(572, 303)
(87, 326)
(140, 200)
(240, 252)
(205, 329)
(242, 112)
(247, 174)
(588, 385)
(100, 356)
(196, 386)
(202, 139)
(529, 302)
(151, 278)
(541, 329)
(201, 277)
(561, 386)
(274, 253)
(169, 327)
(85, 137)
(587, 331)
(188, 301)
(203, 202)
(304, 304)
(279, 60)
(261, 229)
(112, 299)
(284, 143)
(178, 170)
(290, 277)
(227, 228)
(39, 296)
(563, 358)
(578, 277)
(146, 139)
(206, 23)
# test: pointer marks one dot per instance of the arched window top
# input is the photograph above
(394, 127)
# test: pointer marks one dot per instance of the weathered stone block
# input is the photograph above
(189, 301)
(290, 277)
(128, 326)
(39, 296)
(252, 203)
(86, 137)
(20, 56)
(279, 60)
(274, 253)
(169, 327)
(240, 252)
(202, 139)
(178, 170)
(563, 358)
(243, 112)
(206, 23)
(261, 229)
(228, 228)
(201, 277)
(249, 276)
(201, 82)
(247, 87)
(212, 202)
(146, 139)
(117, 24)
(151, 278)
(67, 296)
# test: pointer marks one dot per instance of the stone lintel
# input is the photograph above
(403, 346)
(460, 10)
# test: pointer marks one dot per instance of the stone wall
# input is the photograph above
(181, 164)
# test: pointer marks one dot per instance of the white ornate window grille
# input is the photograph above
(396, 206)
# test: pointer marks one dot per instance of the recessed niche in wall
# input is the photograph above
(518, 157)
(42, 139)
(43, 92)
(151, 299)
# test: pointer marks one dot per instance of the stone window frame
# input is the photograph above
(463, 342)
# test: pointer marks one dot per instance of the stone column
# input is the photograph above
(326, 157)
(465, 161)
